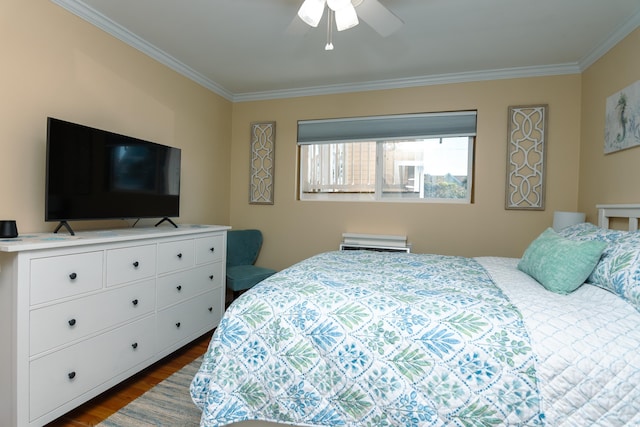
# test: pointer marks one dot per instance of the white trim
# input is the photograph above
(613, 39)
(440, 79)
(89, 14)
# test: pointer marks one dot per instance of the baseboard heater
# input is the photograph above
(374, 242)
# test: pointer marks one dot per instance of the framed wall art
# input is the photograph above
(262, 163)
(526, 153)
(622, 121)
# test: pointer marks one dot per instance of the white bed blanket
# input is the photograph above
(587, 349)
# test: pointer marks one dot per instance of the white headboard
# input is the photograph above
(631, 212)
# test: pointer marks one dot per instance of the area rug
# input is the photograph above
(168, 404)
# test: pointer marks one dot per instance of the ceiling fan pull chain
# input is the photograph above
(329, 45)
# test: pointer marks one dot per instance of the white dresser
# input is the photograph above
(79, 314)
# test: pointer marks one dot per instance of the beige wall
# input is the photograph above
(614, 178)
(55, 64)
(294, 229)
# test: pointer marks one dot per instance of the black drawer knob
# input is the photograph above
(134, 345)
(136, 264)
(73, 276)
(180, 256)
(212, 249)
(134, 302)
(179, 288)
(211, 277)
(210, 308)
(177, 324)
(71, 375)
(72, 322)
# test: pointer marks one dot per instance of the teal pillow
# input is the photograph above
(559, 264)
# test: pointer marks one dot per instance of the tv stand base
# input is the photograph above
(166, 218)
(66, 225)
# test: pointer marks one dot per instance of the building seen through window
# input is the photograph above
(419, 169)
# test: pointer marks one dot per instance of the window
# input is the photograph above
(422, 157)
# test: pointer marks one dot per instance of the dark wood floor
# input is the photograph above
(109, 402)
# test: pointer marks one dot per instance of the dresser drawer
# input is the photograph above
(63, 323)
(177, 287)
(209, 249)
(176, 255)
(66, 374)
(65, 275)
(179, 322)
(130, 264)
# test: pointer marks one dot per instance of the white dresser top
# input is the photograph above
(35, 241)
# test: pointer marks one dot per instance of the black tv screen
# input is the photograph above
(96, 174)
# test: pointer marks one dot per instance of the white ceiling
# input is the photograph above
(259, 49)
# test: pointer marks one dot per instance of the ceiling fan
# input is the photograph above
(345, 13)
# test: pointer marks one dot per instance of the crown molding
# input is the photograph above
(79, 8)
(500, 74)
(90, 15)
(614, 38)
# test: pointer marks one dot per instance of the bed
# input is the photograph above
(360, 338)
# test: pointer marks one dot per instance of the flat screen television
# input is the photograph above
(93, 174)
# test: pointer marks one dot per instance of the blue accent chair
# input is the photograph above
(243, 247)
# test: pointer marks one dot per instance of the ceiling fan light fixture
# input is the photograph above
(336, 5)
(346, 18)
(311, 11)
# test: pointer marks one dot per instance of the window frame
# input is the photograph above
(381, 130)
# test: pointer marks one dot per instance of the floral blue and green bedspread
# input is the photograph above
(358, 338)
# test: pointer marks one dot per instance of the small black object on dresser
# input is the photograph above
(8, 228)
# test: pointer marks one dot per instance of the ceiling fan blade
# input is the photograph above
(379, 17)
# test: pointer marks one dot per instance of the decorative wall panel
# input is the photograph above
(526, 152)
(262, 166)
